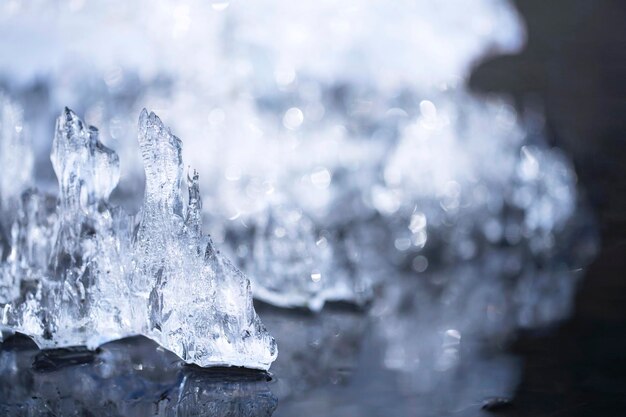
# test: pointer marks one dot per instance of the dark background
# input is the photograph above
(574, 68)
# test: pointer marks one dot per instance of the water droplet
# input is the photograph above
(529, 166)
(419, 239)
(321, 178)
(418, 222)
(322, 242)
(420, 263)
(402, 243)
(293, 118)
(453, 333)
(284, 76)
(428, 110)
(216, 116)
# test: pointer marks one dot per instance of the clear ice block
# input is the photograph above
(86, 272)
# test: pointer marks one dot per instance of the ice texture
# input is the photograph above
(82, 272)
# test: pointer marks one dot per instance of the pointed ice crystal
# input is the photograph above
(200, 307)
(87, 170)
(79, 293)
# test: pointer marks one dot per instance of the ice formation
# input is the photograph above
(474, 173)
(83, 272)
(330, 164)
(297, 123)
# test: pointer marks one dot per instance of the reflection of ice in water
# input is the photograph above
(337, 363)
(133, 377)
(487, 230)
(317, 350)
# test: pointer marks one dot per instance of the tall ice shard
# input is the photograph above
(199, 304)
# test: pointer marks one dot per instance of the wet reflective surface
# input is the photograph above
(330, 364)
(576, 368)
(131, 377)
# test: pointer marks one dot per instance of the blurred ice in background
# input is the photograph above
(341, 158)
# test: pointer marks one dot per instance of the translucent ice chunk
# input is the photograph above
(199, 304)
(77, 274)
(72, 258)
(467, 173)
(87, 170)
(283, 204)
(292, 264)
